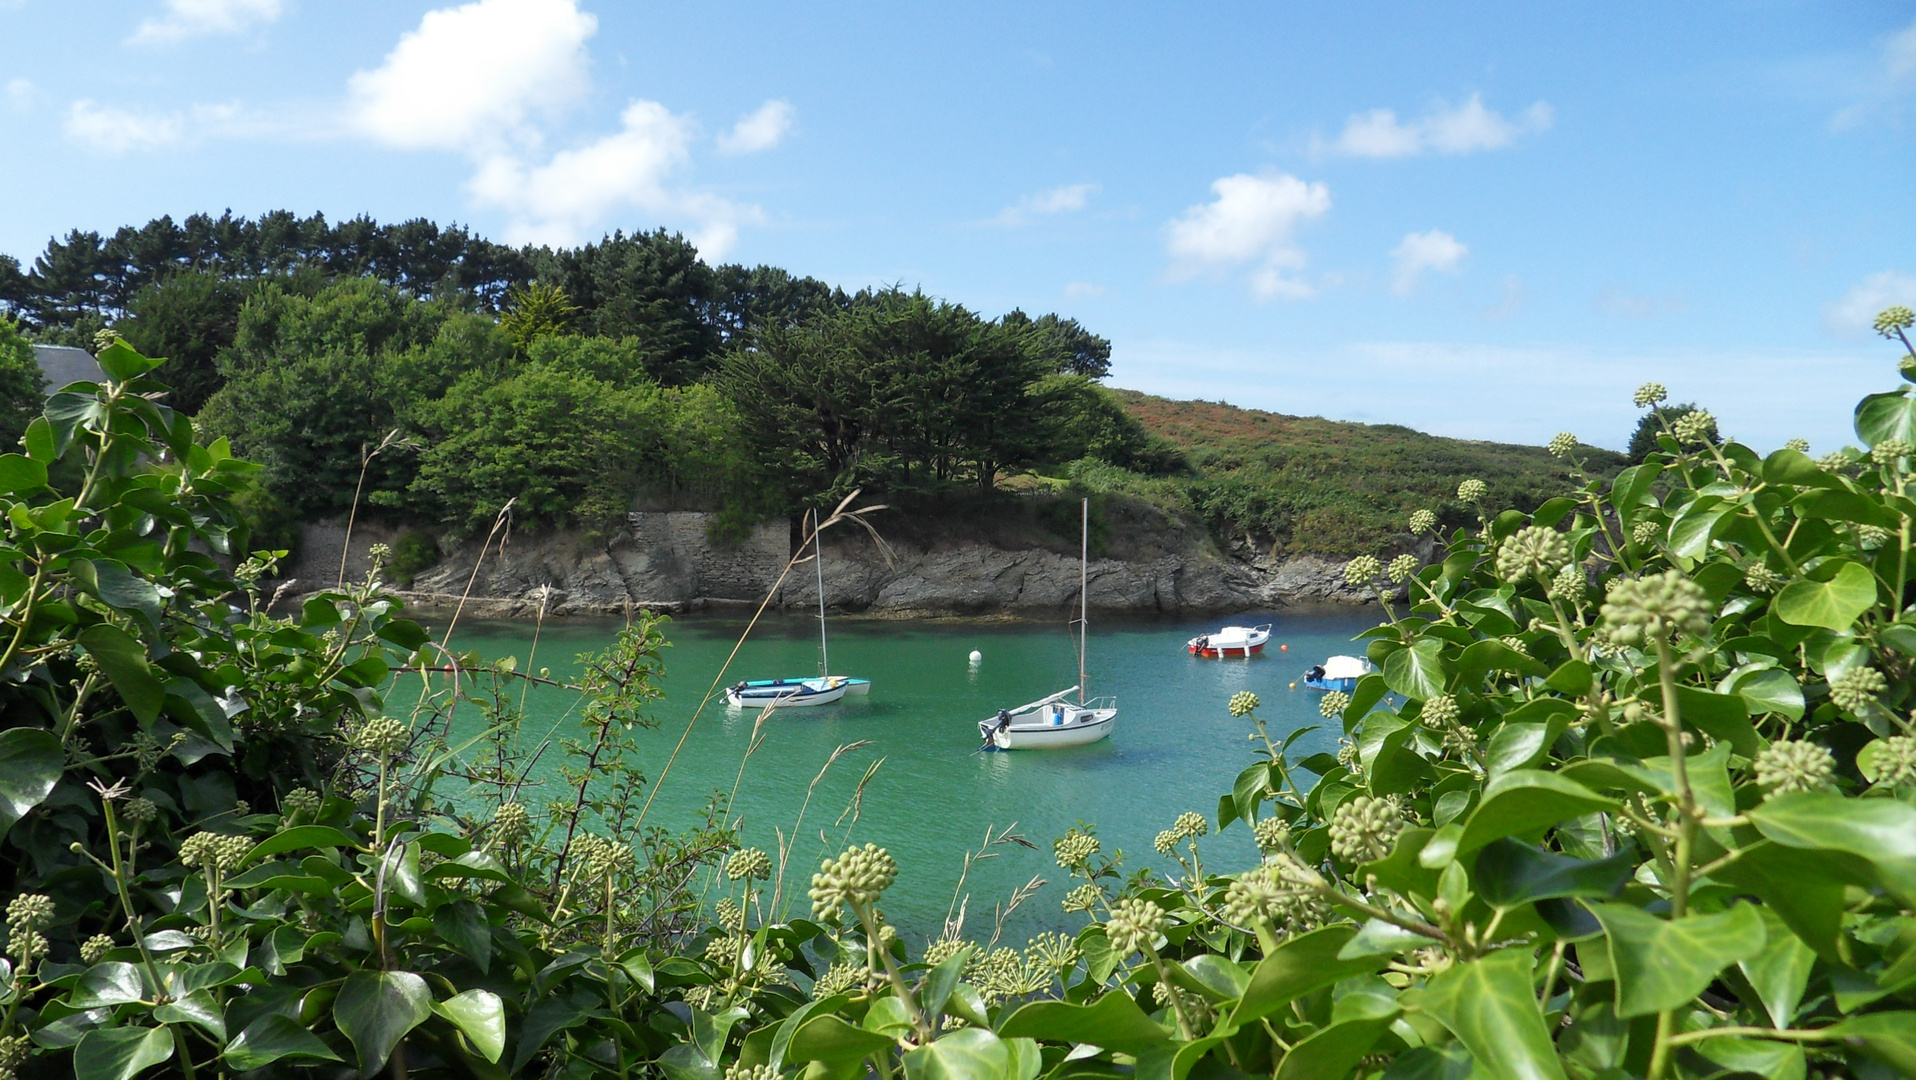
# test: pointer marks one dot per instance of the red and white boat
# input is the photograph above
(1231, 641)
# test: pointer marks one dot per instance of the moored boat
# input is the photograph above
(1231, 641)
(788, 693)
(1052, 722)
(1337, 673)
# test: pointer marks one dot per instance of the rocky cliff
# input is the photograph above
(957, 564)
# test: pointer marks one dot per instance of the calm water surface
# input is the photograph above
(1175, 747)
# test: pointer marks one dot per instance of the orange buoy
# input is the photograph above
(1293, 686)
(1283, 648)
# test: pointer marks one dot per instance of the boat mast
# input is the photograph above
(1084, 596)
(818, 556)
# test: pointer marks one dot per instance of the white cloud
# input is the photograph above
(1420, 251)
(481, 79)
(1059, 200)
(117, 130)
(1462, 130)
(561, 201)
(760, 130)
(195, 18)
(1882, 82)
(21, 94)
(1083, 290)
(1855, 314)
(471, 77)
(1253, 219)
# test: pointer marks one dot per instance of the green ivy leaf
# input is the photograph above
(375, 1009)
(1510, 873)
(1300, 965)
(965, 1054)
(31, 761)
(1332, 1053)
(1882, 831)
(120, 1053)
(197, 1008)
(831, 1040)
(1114, 1022)
(21, 474)
(111, 983)
(301, 837)
(1780, 972)
(1417, 672)
(124, 661)
(1523, 802)
(1887, 1036)
(1665, 963)
(1490, 1006)
(480, 1017)
(122, 363)
(1770, 690)
(1886, 416)
(1834, 604)
(272, 1037)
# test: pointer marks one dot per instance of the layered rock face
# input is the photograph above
(668, 561)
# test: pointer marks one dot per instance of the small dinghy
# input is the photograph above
(1230, 641)
(789, 693)
(1337, 673)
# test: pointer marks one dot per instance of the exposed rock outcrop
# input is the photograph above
(667, 561)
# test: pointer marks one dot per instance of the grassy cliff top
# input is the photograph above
(1295, 484)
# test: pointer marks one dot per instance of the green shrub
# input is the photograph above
(415, 553)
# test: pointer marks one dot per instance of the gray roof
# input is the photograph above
(63, 364)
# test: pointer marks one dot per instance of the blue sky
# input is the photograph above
(1482, 220)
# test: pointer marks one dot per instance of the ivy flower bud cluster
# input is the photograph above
(1054, 952)
(1253, 897)
(1134, 925)
(1421, 522)
(1473, 490)
(1801, 446)
(1562, 444)
(1569, 585)
(602, 859)
(1440, 711)
(1272, 836)
(1649, 609)
(741, 1071)
(1402, 568)
(1834, 461)
(1695, 426)
(1333, 704)
(1516, 644)
(838, 979)
(1890, 451)
(1649, 394)
(1361, 571)
(1074, 849)
(1856, 689)
(748, 864)
(1533, 551)
(1191, 824)
(1645, 533)
(382, 737)
(730, 916)
(214, 851)
(1243, 703)
(1082, 898)
(1896, 761)
(1364, 827)
(511, 824)
(139, 813)
(95, 948)
(304, 803)
(1893, 319)
(858, 876)
(27, 915)
(1786, 767)
(945, 948)
(1762, 579)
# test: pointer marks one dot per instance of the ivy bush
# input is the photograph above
(1631, 794)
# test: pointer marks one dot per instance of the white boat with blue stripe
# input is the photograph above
(792, 693)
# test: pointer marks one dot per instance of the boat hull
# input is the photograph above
(855, 687)
(1055, 726)
(785, 693)
(1243, 641)
(1346, 685)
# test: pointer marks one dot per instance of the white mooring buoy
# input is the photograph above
(977, 658)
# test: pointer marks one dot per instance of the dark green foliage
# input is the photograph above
(1092, 422)
(652, 287)
(22, 385)
(1071, 348)
(415, 553)
(189, 318)
(902, 391)
(1643, 440)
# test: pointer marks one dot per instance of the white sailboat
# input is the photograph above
(799, 691)
(1053, 722)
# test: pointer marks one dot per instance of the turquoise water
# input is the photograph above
(933, 798)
